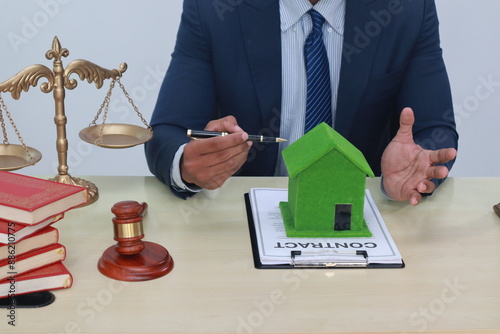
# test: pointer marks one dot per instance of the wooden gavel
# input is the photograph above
(132, 259)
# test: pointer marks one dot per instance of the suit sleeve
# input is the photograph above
(426, 89)
(186, 98)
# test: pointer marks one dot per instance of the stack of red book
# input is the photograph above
(31, 257)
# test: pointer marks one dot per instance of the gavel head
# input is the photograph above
(127, 226)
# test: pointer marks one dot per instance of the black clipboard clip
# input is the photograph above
(329, 259)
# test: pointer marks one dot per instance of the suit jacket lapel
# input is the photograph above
(358, 54)
(260, 24)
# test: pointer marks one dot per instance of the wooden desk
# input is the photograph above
(451, 283)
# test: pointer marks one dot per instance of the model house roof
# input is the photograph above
(317, 143)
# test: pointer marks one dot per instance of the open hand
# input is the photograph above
(208, 163)
(407, 168)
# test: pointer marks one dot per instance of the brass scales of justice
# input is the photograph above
(16, 156)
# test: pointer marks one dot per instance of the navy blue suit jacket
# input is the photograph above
(227, 61)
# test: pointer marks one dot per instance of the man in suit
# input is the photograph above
(238, 66)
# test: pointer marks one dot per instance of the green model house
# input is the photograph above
(326, 186)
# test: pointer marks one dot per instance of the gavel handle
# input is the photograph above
(144, 209)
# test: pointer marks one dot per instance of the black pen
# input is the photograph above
(195, 134)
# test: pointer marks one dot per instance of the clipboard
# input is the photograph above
(357, 259)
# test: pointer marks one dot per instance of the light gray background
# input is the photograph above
(142, 34)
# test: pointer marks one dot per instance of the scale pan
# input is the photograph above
(14, 156)
(116, 135)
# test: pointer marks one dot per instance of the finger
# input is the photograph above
(217, 144)
(437, 172)
(226, 124)
(231, 166)
(443, 155)
(415, 198)
(426, 187)
(218, 174)
(203, 167)
(406, 120)
(225, 156)
(214, 182)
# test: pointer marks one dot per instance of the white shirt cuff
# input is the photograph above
(175, 174)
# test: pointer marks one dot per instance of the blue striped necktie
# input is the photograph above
(319, 94)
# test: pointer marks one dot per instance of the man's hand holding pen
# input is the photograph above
(210, 162)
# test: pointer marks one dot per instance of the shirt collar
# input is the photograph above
(332, 10)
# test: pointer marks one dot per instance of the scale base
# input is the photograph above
(68, 179)
(152, 262)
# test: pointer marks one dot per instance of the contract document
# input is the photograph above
(273, 249)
